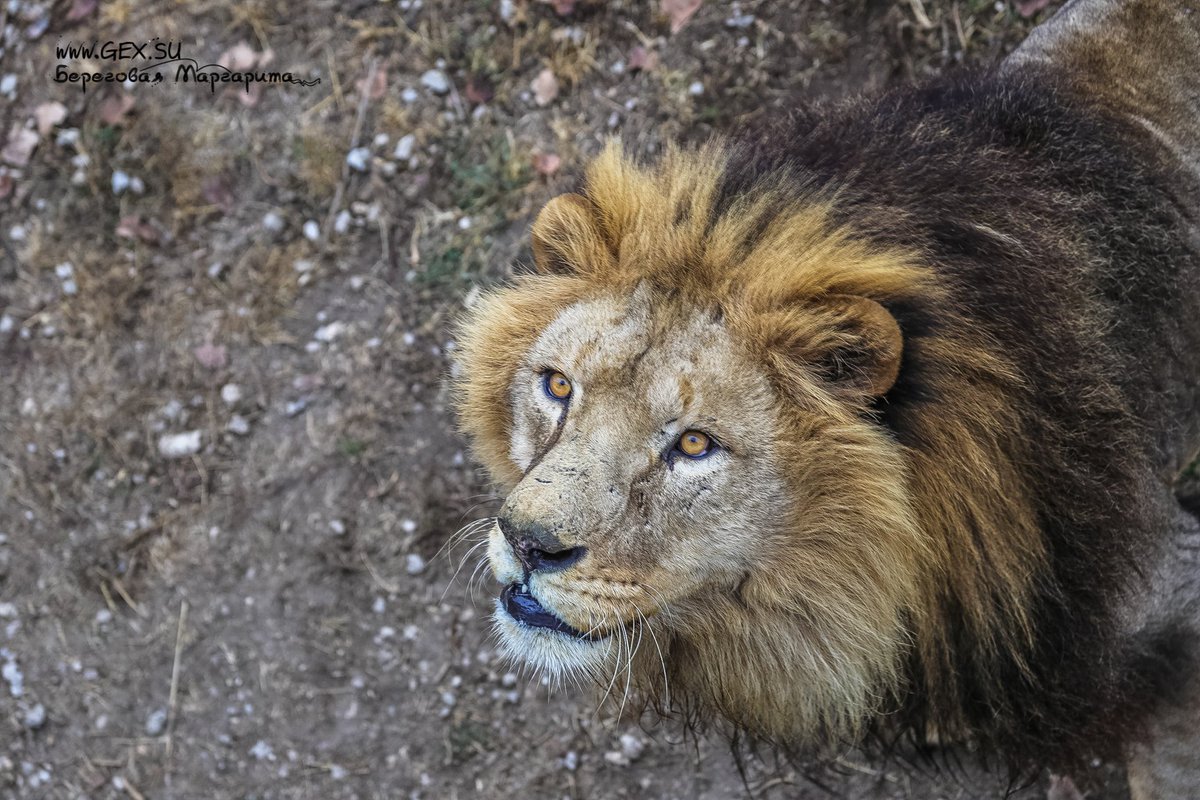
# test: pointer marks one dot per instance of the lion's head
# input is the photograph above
(682, 407)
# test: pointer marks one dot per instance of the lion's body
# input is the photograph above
(952, 337)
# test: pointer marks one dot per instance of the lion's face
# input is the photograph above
(681, 406)
(649, 482)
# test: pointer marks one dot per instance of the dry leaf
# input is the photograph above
(132, 227)
(561, 7)
(239, 58)
(20, 146)
(1062, 788)
(546, 163)
(378, 87)
(1027, 8)
(679, 12)
(642, 59)
(247, 96)
(545, 87)
(215, 189)
(479, 90)
(115, 107)
(48, 115)
(81, 9)
(213, 356)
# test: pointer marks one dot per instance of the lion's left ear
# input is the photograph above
(852, 342)
(567, 237)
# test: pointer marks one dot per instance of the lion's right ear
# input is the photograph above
(567, 237)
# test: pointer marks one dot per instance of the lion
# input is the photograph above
(865, 423)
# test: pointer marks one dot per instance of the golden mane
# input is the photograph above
(934, 499)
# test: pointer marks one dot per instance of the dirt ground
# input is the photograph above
(227, 466)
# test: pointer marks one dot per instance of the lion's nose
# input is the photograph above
(536, 548)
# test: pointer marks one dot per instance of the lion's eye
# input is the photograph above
(694, 444)
(557, 386)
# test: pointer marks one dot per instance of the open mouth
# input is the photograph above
(525, 608)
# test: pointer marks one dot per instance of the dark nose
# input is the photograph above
(537, 548)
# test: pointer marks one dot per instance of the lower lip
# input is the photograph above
(522, 606)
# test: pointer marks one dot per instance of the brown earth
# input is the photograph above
(266, 614)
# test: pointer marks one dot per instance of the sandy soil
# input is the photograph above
(227, 467)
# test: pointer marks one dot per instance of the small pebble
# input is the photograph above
(312, 231)
(409, 95)
(35, 717)
(272, 222)
(359, 159)
(337, 526)
(179, 445)
(262, 751)
(231, 393)
(156, 723)
(632, 747)
(404, 147)
(327, 333)
(738, 19)
(238, 425)
(436, 81)
(571, 760)
(120, 181)
(341, 223)
(414, 564)
(295, 407)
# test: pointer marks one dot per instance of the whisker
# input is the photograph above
(467, 555)
(662, 661)
(465, 532)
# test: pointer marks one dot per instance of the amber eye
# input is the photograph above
(557, 385)
(694, 444)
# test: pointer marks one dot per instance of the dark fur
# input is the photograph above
(1094, 296)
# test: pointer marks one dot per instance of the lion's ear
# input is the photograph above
(864, 355)
(852, 342)
(567, 237)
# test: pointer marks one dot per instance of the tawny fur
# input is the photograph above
(918, 494)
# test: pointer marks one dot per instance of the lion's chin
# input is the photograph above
(558, 653)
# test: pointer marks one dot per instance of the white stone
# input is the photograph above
(231, 393)
(179, 445)
(327, 333)
(405, 147)
(238, 425)
(436, 81)
(312, 231)
(120, 181)
(414, 564)
(35, 717)
(156, 723)
(272, 222)
(632, 747)
(341, 223)
(359, 159)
